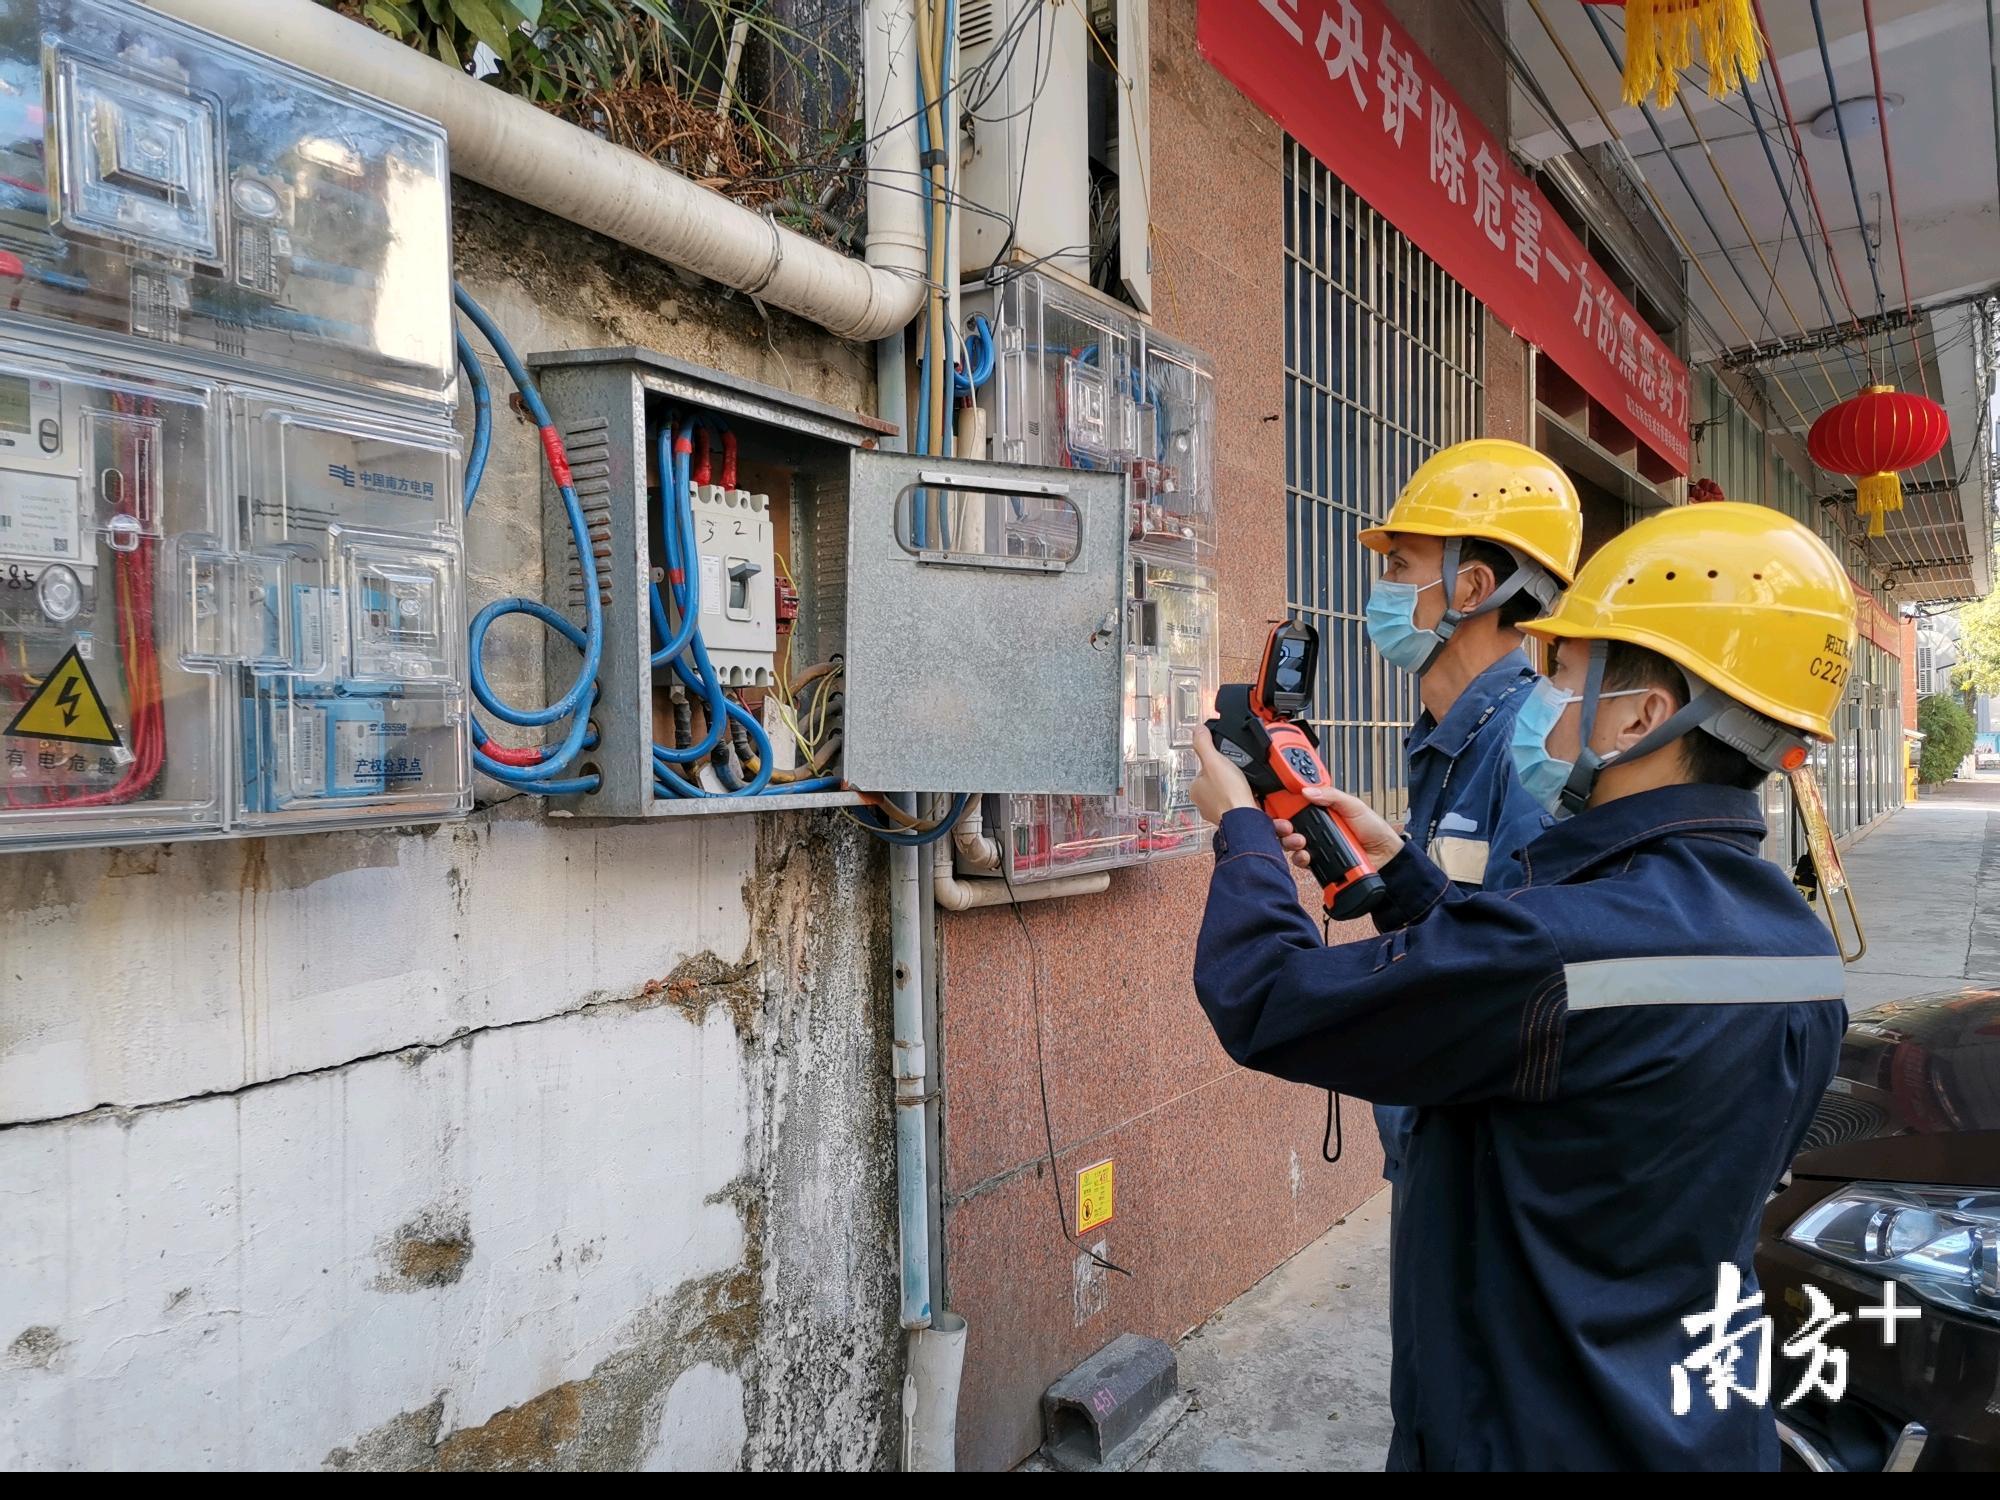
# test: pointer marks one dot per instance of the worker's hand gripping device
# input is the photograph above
(1257, 726)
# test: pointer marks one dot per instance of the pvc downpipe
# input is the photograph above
(967, 895)
(973, 849)
(514, 148)
(895, 177)
(930, 1388)
(908, 1068)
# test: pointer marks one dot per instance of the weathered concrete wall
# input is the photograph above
(518, 1144)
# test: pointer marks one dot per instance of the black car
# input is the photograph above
(1898, 1182)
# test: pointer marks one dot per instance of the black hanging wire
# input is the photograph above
(1333, 1135)
(1042, 1083)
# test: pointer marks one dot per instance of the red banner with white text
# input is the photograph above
(1350, 86)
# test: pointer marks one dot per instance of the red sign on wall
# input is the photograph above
(1348, 83)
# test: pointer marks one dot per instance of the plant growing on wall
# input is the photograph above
(1948, 737)
(546, 50)
(753, 97)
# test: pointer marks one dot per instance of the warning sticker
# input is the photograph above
(67, 706)
(1093, 1197)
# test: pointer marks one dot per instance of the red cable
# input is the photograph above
(134, 576)
(728, 460)
(1805, 168)
(511, 755)
(699, 470)
(142, 685)
(1889, 168)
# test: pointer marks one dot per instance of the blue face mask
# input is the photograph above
(1542, 775)
(1392, 625)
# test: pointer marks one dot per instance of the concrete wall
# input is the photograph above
(1219, 1176)
(515, 1144)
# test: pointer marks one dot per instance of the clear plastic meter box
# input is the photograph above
(231, 576)
(162, 184)
(1080, 383)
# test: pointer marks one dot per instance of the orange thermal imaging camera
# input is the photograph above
(1257, 725)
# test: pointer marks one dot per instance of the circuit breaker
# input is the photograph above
(231, 576)
(1080, 383)
(739, 607)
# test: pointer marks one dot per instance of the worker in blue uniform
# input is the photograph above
(1484, 536)
(1618, 1058)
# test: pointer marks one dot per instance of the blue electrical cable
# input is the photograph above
(1847, 156)
(979, 357)
(909, 839)
(542, 776)
(920, 499)
(1792, 213)
(482, 416)
(684, 641)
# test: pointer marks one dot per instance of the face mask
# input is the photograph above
(1542, 775)
(1392, 625)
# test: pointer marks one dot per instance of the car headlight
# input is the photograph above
(1941, 1243)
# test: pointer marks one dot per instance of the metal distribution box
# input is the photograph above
(977, 607)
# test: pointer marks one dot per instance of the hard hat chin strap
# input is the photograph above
(1528, 577)
(1704, 704)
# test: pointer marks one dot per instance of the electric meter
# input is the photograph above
(231, 577)
(1080, 382)
(162, 183)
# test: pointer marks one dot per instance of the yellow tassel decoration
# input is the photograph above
(1658, 47)
(1875, 495)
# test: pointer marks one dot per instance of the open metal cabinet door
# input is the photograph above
(1134, 104)
(985, 626)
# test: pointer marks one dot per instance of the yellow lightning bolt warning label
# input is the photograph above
(67, 706)
(1093, 1197)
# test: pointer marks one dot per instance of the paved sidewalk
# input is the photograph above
(1928, 884)
(1294, 1374)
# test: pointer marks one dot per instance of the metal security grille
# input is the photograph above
(1383, 354)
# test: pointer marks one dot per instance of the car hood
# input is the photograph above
(1916, 1097)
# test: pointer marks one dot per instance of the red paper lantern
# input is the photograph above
(1870, 437)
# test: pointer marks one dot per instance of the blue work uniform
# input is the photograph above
(1468, 813)
(1616, 1060)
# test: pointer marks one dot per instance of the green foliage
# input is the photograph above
(553, 51)
(1948, 737)
(548, 50)
(1978, 668)
(767, 121)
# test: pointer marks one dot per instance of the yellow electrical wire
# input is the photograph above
(1832, 390)
(822, 704)
(787, 705)
(1659, 205)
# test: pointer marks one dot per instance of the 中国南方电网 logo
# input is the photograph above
(377, 482)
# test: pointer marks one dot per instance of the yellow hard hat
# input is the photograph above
(1494, 490)
(1742, 597)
